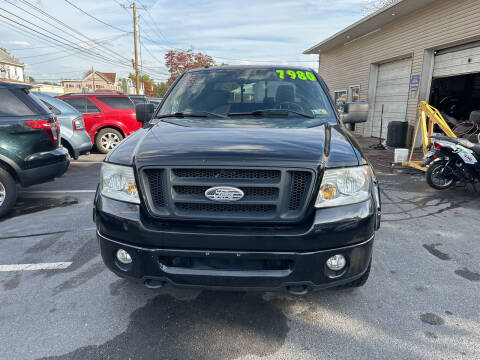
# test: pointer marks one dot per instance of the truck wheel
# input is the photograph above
(107, 139)
(8, 192)
(436, 179)
(360, 281)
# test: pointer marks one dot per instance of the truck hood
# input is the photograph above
(170, 144)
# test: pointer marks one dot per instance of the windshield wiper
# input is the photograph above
(272, 112)
(183, 115)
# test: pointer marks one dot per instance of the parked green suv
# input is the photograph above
(29, 143)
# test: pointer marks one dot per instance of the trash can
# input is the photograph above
(397, 134)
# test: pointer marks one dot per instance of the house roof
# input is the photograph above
(368, 24)
(6, 58)
(110, 77)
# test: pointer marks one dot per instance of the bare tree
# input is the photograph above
(374, 5)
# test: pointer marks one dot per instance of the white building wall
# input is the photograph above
(11, 72)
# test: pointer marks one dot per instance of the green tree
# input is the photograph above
(160, 89)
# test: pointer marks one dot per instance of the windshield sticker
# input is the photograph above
(319, 112)
(300, 75)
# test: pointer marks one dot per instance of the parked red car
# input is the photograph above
(109, 118)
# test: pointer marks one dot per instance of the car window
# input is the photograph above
(117, 102)
(77, 102)
(13, 105)
(238, 91)
(91, 107)
(139, 100)
(84, 105)
(51, 107)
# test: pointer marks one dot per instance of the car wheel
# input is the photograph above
(360, 281)
(8, 192)
(107, 139)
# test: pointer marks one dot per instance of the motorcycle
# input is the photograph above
(451, 160)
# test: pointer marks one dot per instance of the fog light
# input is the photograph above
(336, 262)
(124, 257)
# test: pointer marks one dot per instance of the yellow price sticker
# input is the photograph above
(300, 75)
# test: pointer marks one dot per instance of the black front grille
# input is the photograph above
(231, 208)
(227, 173)
(300, 181)
(278, 195)
(251, 193)
(156, 184)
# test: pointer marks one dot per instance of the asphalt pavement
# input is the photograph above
(421, 301)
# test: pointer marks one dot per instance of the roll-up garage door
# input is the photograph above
(457, 61)
(392, 92)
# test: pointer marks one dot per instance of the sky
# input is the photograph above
(233, 32)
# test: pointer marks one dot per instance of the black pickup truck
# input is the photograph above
(244, 177)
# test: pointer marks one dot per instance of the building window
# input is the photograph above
(340, 99)
(354, 93)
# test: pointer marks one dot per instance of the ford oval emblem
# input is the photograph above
(224, 193)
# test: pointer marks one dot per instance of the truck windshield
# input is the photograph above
(273, 97)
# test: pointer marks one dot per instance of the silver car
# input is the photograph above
(72, 128)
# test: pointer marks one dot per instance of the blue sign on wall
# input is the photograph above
(414, 85)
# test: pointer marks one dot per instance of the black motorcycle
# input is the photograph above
(452, 160)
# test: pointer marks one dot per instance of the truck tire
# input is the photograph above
(8, 192)
(107, 139)
(361, 280)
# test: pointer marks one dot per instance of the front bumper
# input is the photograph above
(304, 269)
(234, 256)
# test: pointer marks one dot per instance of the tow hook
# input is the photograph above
(154, 284)
(298, 290)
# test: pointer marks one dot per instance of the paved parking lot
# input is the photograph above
(421, 301)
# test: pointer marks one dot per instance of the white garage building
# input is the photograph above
(411, 51)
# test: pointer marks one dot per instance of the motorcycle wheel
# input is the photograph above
(437, 178)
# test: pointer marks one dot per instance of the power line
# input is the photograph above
(30, 48)
(64, 56)
(98, 42)
(93, 17)
(67, 43)
(157, 30)
(76, 31)
(154, 22)
(64, 25)
(35, 34)
(122, 6)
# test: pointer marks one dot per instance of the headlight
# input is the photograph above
(118, 183)
(344, 186)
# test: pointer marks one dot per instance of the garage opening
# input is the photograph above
(456, 96)
(455, 89)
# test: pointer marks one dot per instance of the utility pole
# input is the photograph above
(135, 40)
(93, 79)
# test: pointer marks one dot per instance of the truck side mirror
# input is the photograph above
(144, 112)
(356, 112)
